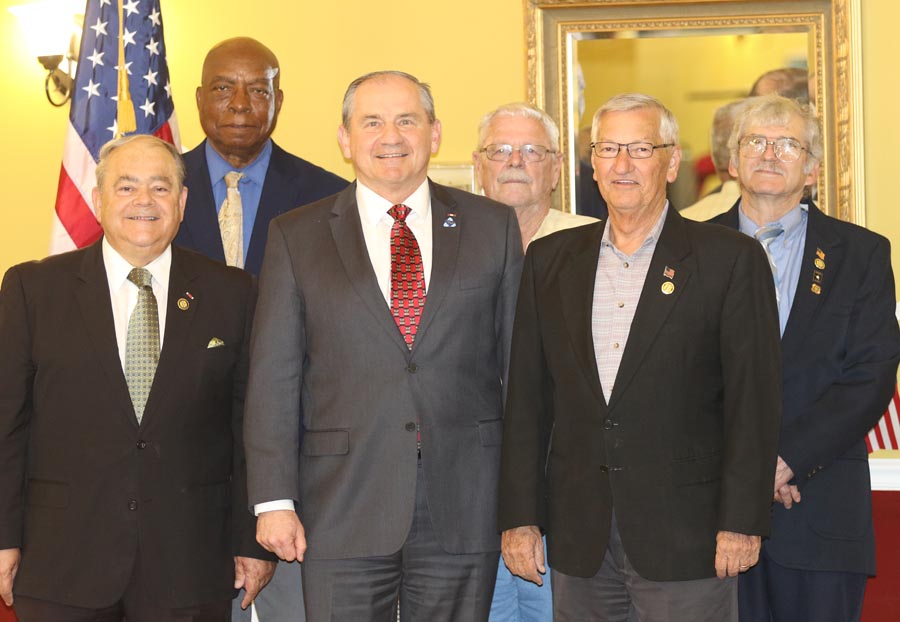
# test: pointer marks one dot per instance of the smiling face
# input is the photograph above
(388, 137)
(239, 99)
(141, 202)
(630, 185)
(765, 177)
(516, 183)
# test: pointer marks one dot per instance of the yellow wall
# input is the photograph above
(471, 51)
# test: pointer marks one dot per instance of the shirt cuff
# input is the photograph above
(271, 506)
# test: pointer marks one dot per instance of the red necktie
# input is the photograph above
(407, 276)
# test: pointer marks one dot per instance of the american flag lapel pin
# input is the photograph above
(669, 273)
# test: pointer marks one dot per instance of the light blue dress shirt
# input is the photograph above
(250, 186)
(787, 253)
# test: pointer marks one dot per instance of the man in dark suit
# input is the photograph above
(643, 405)
(122, 481)
(840, 349)
(239, 101)
(384, 323)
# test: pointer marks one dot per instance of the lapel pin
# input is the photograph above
(667, 288)
(183, 304)
(817, 276)
(820, 253)
(669, 273)
(819, 264)
(189, 295)
(816, 289)
(450, 221)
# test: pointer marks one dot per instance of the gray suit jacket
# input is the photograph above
(326, 353)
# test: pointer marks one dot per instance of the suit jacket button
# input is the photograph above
(412, 368)
(410, 427)
(142, 444)
(132, 505)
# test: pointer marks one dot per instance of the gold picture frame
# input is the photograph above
(833, 28)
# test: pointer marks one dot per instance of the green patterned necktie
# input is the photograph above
(142, 343)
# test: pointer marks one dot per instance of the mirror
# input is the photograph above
(696, 55)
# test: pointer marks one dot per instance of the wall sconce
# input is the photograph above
(53, 33)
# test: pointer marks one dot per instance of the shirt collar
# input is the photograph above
(117, 268)
(652, 236)
(254, 172)
(790, 222)
(373, 207)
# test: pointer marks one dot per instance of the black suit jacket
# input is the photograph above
(840, 353)
(82, 485)
(290, 182)
(686, 446)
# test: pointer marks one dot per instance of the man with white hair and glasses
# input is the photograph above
(840, 349)
(641, 421)
(518, 163)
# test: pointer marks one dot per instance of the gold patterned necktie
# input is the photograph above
(407, 276)
(231, 221)
(142, 343)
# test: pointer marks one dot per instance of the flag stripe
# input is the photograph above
(886, 432)
(136, 30)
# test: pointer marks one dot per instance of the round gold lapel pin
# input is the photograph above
(183, 304)
(667, 288)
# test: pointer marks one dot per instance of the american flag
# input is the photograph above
(121, 87)
(886, 433)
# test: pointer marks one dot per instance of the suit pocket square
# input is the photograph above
(215, 342)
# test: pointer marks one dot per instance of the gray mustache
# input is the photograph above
(515, 176)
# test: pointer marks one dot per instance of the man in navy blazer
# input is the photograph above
(840, 349)
(239, 101)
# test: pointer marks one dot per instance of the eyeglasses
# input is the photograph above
(528, 153)
(786, 149)
(638, 151)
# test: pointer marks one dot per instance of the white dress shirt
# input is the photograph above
(123, 294)
(376, 227)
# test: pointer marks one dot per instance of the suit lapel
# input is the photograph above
(178, 322)
(351, 248)
(576, 291)
(96, 312)
(654, 306)
(277, 197)
(824, 245)
(200, 218)
(444, 254)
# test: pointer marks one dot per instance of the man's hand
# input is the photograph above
(280, 532)
(9, 565)
(523, 553)
(785, 494)
(252, 575)
(735, 552)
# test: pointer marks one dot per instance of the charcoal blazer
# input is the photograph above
(290, 182)
(686, 445)
(325, 348)
(840, 352)
(82, 485)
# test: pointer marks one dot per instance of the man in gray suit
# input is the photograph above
(383, 329)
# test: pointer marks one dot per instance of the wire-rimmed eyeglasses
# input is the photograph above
(638, 150)
(785, 148)
(528, 153)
